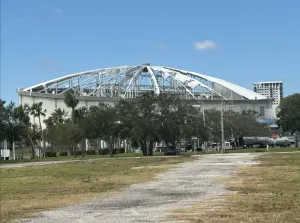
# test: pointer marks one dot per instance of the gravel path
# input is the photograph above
(153, 201)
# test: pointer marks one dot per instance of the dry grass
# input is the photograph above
(269, 192)
(26, 191)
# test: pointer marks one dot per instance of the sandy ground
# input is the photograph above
(153, 201)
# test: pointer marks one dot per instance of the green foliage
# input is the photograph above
(64, 135)
(71, 101)
(289, 113)
(57, 117)
(101, 122)
(144, 121)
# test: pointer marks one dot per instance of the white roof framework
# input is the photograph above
(131, 81)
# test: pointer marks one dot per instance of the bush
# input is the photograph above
(122, 150)
(91, 152)
(63, 153)
(103, 151)
(51, 154)
(78, 153)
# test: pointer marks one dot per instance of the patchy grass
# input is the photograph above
(131, 154)
(269, 192)
(86, 157)
(28, 190)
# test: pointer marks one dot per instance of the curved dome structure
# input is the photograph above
(109, 85)
(130, 81)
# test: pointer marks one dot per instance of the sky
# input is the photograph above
(239, 41)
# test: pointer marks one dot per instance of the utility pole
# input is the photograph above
(203, 113)
(222, 128)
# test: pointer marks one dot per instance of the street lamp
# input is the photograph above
(203, 116)
(222, 127)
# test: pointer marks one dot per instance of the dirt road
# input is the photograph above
(153, 201)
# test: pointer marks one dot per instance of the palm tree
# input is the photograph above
(71, 101)
(59, 116)
(37, 111)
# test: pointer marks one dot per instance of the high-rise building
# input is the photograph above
(271, 89)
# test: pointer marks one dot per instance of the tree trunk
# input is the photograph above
(297, 139)
(74, 150)
(144, 148)
(31, 143)
(110, 148)
(72, 115)
(82, 148)
(150, 148)
(44, 149)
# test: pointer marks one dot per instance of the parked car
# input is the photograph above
(171, 152)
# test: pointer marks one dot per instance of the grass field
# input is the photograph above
(251, 150)
(79, 157)
(269, 192)
(28, 190)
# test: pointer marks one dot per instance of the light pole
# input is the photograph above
(203, 113)
(222, 127)
(203, 116)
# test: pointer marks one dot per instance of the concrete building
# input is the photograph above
(109, 85)
(270, 89)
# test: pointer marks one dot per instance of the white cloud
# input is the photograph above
(205, 45)
(58, 11)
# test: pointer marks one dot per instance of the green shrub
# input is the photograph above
(91, 152)
(63, 153)
(103, 151)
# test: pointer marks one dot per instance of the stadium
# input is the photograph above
(109, 85)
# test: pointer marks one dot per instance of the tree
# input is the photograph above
(178, 120)
(22, 114)
(289, 114)
(37, 111)
(71, 101)
(213, 123)
(101, 122)
(59, 116)
(126, 117)
(246, 124)
(3, 120)
(146, 122)
(14, 130)
(79, 120)
(64, 136)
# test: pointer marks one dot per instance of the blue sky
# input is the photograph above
(239, 41)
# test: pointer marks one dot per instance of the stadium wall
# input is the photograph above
(52, 102)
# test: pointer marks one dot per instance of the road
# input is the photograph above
(153, 201)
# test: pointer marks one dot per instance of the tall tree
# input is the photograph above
(289, 114)
(3, 120)
(71, 101)
(102, 122)
(80, 116)
(37, 111)
(14, 130)
(146, 122)
(22, 114)
(126, 111)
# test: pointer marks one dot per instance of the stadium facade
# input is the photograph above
(109, 85)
